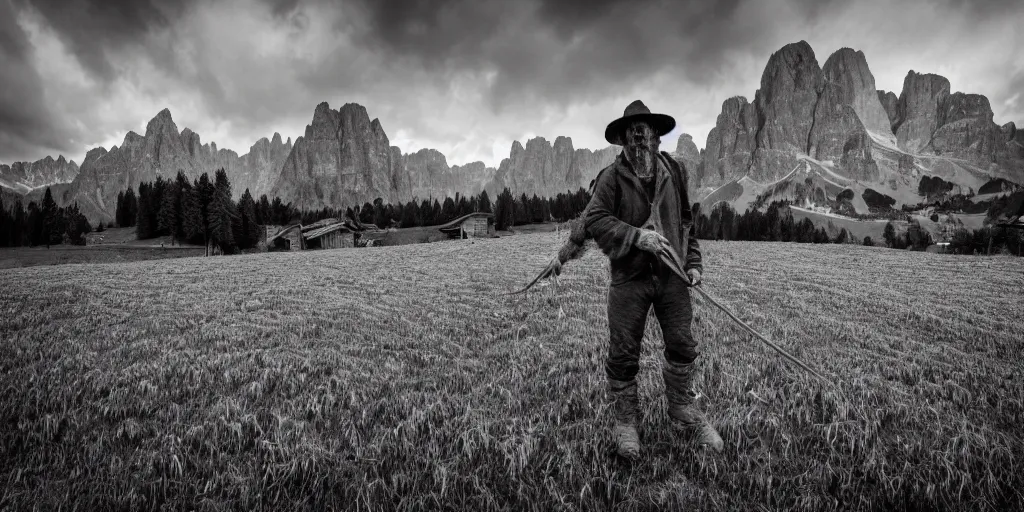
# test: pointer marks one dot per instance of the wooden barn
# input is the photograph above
(474, 225)
(288, 239)
(267, 232)
(333, 236)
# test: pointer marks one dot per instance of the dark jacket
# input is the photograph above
(619, 207)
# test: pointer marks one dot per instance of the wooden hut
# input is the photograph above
(473, 225)
(333, 236)
(288, 239)
(266, 232)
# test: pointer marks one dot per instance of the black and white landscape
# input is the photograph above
(256, 254)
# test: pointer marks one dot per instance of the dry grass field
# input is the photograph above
(397, 378)
(15, 257)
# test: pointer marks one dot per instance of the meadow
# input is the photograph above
(399, 378)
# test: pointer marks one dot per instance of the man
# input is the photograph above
(643, 181)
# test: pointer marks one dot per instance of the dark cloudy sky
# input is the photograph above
(466, 77)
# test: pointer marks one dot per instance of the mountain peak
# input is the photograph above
(162, 123)
(848, 69)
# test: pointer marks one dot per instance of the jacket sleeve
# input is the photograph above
(613, 236)
(693, 259)
(693, 256)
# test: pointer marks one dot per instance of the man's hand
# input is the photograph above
(694, 276)
(651, 241)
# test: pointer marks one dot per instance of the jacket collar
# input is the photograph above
(625, 170)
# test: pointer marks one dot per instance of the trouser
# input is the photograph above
(628, 305)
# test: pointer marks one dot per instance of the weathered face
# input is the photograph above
(641, 148)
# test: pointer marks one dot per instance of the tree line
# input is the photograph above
(42, 224)
(775, 224)
(201, 211)
(513, 211)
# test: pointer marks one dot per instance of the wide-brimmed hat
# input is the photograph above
(637, 111)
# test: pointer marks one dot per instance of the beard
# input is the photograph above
(643, 155)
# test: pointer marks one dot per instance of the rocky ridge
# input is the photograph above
(22, 177)
(834, 119)
(343, 158)
(162, 152)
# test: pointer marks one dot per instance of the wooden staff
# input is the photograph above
(671, 259)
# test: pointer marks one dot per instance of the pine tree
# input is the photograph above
(19, 222)
(263, 211)
(50, 220)
(131, 201)
(223, 214)
(35, 224)
(5, 225)
(410, 215)
(179, 192)
(199, 211)
(484, 204)
(889, 235)
(504, 210)
(447, 210)
(278, 212)
(249, 234)
(141, 227)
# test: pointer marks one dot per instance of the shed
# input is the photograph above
(267, 232)
(288, 239)
(473, 225)
(333, 236)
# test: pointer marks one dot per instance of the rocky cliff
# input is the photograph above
(344, 158)
(847, 108)
(261, 166)
(917, 112)
(687, 154)
(431, 177)
(832, 129)
(889, 102)
(547, 170)
(730, 145)
(21, 177)
(162, 152)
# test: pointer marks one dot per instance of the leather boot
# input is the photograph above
(680, 396)
(626, 410)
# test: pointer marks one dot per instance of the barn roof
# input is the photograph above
(284, 231)
(460, 220)
(1013, 222)
(360, 226)
(316, 233)
(320, 223)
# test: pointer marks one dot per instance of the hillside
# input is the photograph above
(242, 382)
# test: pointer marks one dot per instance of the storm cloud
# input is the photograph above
(464, 77)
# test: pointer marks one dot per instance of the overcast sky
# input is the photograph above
(466, 77)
